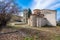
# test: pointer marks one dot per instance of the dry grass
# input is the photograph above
(23, 33)
(43, 33)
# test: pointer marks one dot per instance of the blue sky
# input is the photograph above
(41, 4)
(25, 3)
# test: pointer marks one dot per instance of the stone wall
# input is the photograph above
(36, 21)
(41, 22)
(50, 15)
(33, 20)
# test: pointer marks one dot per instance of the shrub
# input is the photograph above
(28, 38)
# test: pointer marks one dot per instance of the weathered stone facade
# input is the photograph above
(50, 15)
(42, 17)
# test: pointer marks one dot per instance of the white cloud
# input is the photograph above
(47, 4)
(55, 6)
(1, 0)
(43, 4)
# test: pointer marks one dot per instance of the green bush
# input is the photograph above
(28, 38)
(57, 38)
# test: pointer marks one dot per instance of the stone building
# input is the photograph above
(25, 16)
(42, 17)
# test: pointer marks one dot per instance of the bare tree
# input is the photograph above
(7, 8)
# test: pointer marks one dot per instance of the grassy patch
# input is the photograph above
(57, 38)
(28, 38)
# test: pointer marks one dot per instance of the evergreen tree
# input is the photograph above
(29, 12)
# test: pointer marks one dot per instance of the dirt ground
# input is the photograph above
(20, 33)
(55, 30)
